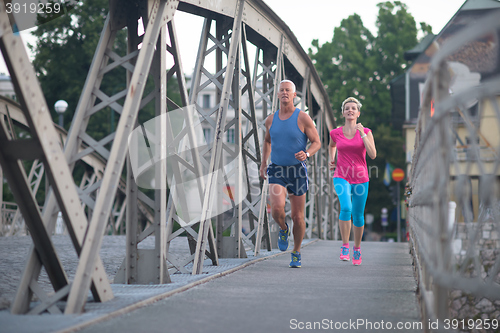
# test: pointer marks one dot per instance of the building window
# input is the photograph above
(206, 101)
(207, 133)
(230, 135)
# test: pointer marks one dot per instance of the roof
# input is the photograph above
(468, 5)
(480, 4)
(419, 48)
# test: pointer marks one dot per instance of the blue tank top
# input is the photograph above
(286, 139)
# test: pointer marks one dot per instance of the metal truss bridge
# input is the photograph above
(205, 190)
(166, 179)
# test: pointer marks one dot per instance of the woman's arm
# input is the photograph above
(369, 142)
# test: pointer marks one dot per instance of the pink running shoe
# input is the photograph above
(356, 256)
(344, 253)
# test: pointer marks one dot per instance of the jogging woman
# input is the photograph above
(351, 143)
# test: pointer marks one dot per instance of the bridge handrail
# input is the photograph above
(12, 109)
(447, 253)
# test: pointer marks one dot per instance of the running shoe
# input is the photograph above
(295, 263)
(283, 239)
(344, 253)
(356, 256)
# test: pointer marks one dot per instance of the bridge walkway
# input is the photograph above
(268, 296)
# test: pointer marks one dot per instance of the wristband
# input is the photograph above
(363, 136)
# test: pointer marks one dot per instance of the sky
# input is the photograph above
(316, 20)
(321, 17)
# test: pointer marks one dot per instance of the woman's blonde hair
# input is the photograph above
(354, 100)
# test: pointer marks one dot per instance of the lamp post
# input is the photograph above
(61, 107)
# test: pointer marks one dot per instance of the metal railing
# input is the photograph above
(11, 221)
(454, 201)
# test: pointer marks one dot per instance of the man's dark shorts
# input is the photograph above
(293, 178)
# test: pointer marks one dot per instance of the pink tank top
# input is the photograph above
(351, 157)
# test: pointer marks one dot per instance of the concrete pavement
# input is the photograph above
(325, 294)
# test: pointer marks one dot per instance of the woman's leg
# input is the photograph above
(343, 189)
(359, 196)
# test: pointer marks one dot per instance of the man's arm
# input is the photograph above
(332, 150)
(266, 148)
(312, 135)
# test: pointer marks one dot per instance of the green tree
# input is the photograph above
(63, 54)
(345, 63)
(397, 33)
(64, 51)
(356, 63)
(425, 28)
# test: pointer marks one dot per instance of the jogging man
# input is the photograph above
(287, 133)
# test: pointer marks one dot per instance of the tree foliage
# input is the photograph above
(63, 56)
(63, 53)
(356, 63)
(342, 63)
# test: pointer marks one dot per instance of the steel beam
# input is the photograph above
(42, 130)
(162, 12)
(239, 25)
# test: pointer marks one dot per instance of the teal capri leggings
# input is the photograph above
(352, 198)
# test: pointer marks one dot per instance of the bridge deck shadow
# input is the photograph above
(265, 296)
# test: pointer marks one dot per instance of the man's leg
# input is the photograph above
(277, 196)
(299, 225)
